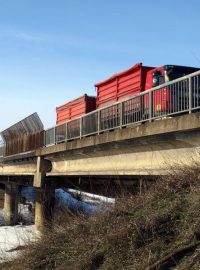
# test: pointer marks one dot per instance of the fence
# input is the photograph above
(2, 149)
(24, 136)
(176, 97)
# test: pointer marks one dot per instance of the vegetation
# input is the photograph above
(158, 229)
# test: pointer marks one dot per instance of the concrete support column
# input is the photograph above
(11, 204)
(44, 205)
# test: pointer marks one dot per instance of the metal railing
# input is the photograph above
(176, 97)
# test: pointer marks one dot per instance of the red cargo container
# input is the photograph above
(75, 108)
(122, 85)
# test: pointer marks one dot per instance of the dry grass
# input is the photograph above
(141, 230)
(1, 198)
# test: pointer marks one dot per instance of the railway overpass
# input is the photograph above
(138, 150)
(130, 144)
(142, 149)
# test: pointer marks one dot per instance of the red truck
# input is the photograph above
(125, 84)
(138, 79)
(167, 99)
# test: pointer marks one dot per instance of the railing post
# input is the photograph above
(81, 127)
(66, 132)
(54, 134)
(44, 138)
(190, 95)
(150, 105)
(98, 122)
(121, 113)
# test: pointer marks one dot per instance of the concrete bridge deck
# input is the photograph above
(148, 148)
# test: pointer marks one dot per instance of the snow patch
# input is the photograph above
(93, 196)
(29, 193)
(64, 200)
(13, 237)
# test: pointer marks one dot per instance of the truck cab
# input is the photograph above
(169, 99)
(166, 73)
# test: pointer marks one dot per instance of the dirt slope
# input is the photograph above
(159, 229)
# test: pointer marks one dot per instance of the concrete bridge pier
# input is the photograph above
(45, 194)
(11, 204)
(45, 198)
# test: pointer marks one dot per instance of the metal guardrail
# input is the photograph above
(176, 97)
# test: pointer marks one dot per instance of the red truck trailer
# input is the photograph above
(119, 87)
(122, 85)
(136, 80)
(75, 108)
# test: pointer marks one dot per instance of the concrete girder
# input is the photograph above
(18, 168)
(147, 156)
(149, 148)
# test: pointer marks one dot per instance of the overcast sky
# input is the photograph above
(52, 51)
